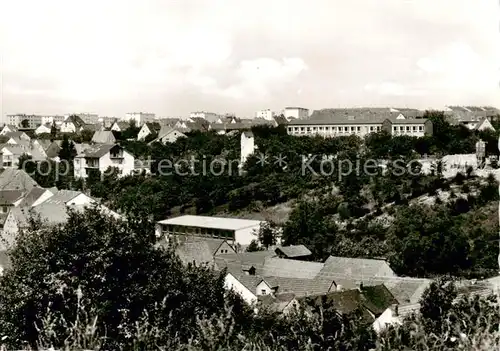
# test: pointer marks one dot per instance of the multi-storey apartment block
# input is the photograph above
(25, 121)
(140, 117)
(265, 114)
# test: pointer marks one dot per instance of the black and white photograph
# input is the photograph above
(192, 175)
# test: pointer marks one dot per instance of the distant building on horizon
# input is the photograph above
(208, 116)
(140, 117)
(265, 114)
(296, 112)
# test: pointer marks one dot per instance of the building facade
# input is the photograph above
(234, 230)
(296, 112)
(265, 114)
(140, 117)
(361, 128)
(25, 121)
(101, 157)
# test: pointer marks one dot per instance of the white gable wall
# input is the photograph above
(247, 147)
(246, 235)
(45, 196)
(231, 283)
(144, 132)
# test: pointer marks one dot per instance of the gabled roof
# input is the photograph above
(293, 251)
(32, 196)
(103, 137)
(77, 121)
(20, 149)
(9, 197)
(16, 179)
(153, 127)
(93, 127)
(236, 262)
(15, 135)
(122, 125)
(374, 300)
(279, 267)
(354, 267)
(96, 151)
(300, 286)
(62, 197)
(199, 251)
(52, 150)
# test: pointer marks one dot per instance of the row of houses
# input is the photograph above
(284, 278)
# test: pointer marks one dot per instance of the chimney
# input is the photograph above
(395, 310)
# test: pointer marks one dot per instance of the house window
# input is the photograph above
(407, 129)
(371, 129)
(4, 209)
(346, 129)
(414, 128)
(359, 129)
(420, 128)
(352, 129)
(263, 292)
(378, 128)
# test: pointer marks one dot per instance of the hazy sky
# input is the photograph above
(171, 57)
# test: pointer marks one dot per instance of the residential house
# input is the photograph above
(120, 126)
(107, 122)
(36, 196)
(103, 137)
(369, 302)
(296, 113)
(148, 129)
(16, 179)
(10, 198)
(14, 137)
(168, 135)
(44, 129)
(52, 151)
(12, 152)
(72, 124)
(8, 128)
(202, 251)
(234, 230)
(247, 146)
(101, 157)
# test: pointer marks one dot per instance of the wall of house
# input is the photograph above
(334, 130)
(246, 235)
(225, 248)
(415, 130)
(231, 283)
(300, 113)
(81, 199)
(384, 320)
(143, 133)
(263, 289)
(116, 127)
(247, 145)
(486, 125)
(171, 137)
(9, 232)
(79, 164)
(68, 127)
(125, 165)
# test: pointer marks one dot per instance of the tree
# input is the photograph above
(25, 123)
(119, 272)
(68, 150)
(267, 234)
(53, 130)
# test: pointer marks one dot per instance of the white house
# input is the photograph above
(14, 137)
(484, 124)
(72, 124)
(12, 153)
(168, 135)
(8, 129)
(238, 286)
(120, 126)
(234, 230)
(296, 112)
(265, 114)
(43, 129)
(140, 117)
(101, 157)
(247, 145)
(148, 129)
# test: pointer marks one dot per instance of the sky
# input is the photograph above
(172, 57)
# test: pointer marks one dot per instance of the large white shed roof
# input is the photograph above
(211, 222)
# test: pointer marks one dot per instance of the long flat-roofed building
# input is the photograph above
(360, 122)
(234, 230)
